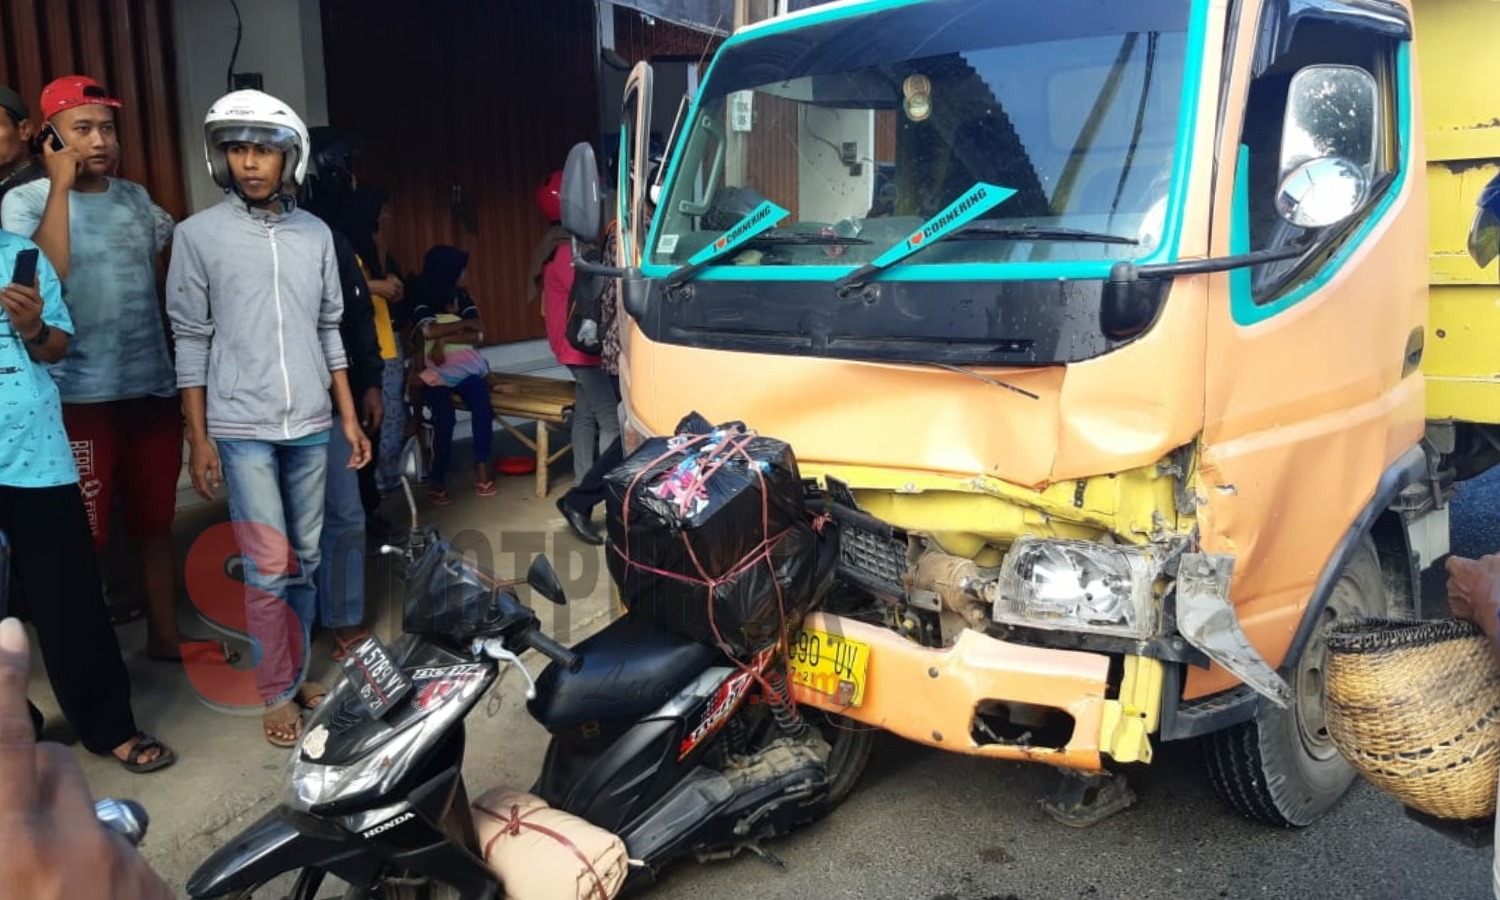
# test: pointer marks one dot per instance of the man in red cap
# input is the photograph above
(104, 236)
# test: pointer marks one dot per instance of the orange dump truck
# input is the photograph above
(1131, 344)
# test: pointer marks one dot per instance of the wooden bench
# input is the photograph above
(546, 401)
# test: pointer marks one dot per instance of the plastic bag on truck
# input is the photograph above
(541, 853)
(710, 537)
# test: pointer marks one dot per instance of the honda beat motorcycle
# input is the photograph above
(671, 745)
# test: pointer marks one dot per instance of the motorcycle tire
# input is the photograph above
(850, 744)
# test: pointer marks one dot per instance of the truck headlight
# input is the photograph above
(1079, 586)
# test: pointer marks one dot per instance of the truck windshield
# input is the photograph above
(868, 126)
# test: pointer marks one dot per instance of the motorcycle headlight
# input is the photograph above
(1079, 586)
(311, 784)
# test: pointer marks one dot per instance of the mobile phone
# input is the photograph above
(50, 135)
(25, 271)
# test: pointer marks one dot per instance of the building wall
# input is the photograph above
(280, 39)
(464, 110)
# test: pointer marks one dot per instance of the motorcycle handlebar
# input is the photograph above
(551, 649)
(126, 818)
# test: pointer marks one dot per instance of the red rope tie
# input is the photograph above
(511, 826)
(713, 461)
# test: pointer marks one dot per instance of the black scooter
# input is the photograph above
(663, 741)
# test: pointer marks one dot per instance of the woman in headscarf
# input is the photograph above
(448, 322)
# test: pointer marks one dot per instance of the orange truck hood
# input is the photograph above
(1126, 409)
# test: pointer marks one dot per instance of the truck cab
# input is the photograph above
(1105, 330)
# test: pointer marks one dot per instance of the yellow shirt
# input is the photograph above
(384, 333)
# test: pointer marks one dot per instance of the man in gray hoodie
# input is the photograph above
(254, 296)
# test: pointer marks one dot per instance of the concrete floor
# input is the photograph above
(227, 774)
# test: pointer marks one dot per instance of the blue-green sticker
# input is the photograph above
(760, 219)
(980, 199)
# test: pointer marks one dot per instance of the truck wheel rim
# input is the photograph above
(1310, 709)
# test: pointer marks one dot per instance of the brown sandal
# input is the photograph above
(140, 747)
(279, 720)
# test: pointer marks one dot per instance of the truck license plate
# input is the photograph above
(831, 665)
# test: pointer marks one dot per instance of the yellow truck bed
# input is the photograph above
(1455, 42)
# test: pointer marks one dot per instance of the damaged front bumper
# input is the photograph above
(984, 695)
(980, 696)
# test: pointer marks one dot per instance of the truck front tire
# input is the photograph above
(1281, 768)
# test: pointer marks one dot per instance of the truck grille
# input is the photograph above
(874, 561)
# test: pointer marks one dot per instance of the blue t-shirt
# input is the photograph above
(34, 451)
(119, 350)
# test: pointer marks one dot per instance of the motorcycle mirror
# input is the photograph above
(543, 579)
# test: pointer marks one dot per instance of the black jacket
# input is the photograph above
(358, 327)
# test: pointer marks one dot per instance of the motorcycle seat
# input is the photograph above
(629, 669)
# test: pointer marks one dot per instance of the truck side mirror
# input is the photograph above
(1322, 192)
(580, 194)
(1329, 145)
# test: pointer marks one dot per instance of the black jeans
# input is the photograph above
(54, 584)
(589, 492)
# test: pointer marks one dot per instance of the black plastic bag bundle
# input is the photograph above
(712, 513)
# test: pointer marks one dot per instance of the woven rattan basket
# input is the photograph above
(1415, 708)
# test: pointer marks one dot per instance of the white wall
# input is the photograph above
(282, 40)
(828, 192)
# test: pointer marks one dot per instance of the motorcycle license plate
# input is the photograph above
(375, 676)
(831, 665)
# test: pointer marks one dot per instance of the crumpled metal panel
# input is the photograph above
(1208, 621)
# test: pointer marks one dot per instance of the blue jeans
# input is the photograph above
(341, 576)
(476, 394)
(276, 503)
(393, 429)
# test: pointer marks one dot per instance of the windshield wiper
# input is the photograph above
(989, 231)
(975, 202)
(758, 221)
(984, 231)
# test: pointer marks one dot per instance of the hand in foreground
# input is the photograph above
(52, 846)
(1471, 590)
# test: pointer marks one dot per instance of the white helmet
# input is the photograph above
(254, 117)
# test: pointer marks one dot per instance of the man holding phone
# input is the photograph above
(54, 571)
(104, 236)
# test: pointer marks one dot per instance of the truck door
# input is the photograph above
(633, 166)
(1310, 392)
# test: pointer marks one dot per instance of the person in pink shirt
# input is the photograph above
(449, 324)
(596, 421)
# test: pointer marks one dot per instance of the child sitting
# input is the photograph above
(448, 321)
